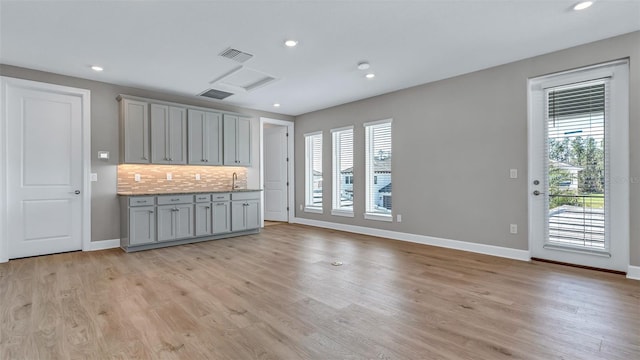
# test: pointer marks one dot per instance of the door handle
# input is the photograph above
(77, 192)
(536, 193)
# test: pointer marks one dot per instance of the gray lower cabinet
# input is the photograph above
(164, 220)
(175, 222)
(142, 225)
(203, 219)
(221, 217)
(245, 211)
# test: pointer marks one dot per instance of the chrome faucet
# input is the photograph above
(234, 178)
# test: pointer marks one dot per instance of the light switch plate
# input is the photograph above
(103, 155)
(513, 173)
(94, 177)
(169, 176)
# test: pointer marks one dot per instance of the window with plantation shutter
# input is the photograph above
(342, 201)
(378, 157)
(313, 172)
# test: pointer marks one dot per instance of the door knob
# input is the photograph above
(77, 192)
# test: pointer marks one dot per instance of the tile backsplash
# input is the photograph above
(153, 178)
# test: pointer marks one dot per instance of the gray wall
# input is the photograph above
(105, 217)
(454, 142)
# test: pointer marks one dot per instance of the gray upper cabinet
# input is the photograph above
(168, 134)
(237, 140)
(205, 137)
(134, 131)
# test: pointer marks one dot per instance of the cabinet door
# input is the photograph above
(203, 219)
(221, 217)
(183, 221)
(237, 216)
(243, 142)
(142, 225)
(159, 134)
(205, 137)
(166, 223)
(177, 138)
(168, 135)
(230, 141)
(135, 132)
(237, 140)
(252, 214)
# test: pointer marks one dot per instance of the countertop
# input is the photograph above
(131, 193)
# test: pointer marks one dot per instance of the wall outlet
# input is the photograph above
(300, 206)
(198, 177)
(136, 177)
(399, 218)
(169, 176)
(513, 228)
(513, 173)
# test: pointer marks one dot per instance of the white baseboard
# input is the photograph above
(102, 245)
(633, 272)
(499, 251)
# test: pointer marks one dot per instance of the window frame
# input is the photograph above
(370, 173)
(309, 206)
(337, 184)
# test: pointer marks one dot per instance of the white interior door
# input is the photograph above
(275, 173)
(44, 164)
(579, 167)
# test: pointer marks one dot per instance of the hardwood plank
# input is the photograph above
(275, 295)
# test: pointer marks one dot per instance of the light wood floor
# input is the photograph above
(275, 295)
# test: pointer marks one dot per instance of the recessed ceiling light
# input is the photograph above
(583, 5)
(97, 68)
(363, 65)
(276, 105)
(370, 75)
(291, 43)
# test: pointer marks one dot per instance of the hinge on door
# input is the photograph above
(287, 159)
(287, 208)
(287, 183)
(287, 134)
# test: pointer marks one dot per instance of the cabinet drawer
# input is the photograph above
(203, 197)
(141, 201)
(220, 197)
(250, 195)
(174, 199)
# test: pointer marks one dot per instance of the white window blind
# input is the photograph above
(313, 172)
(577, 158)
(378, 156)
(342, 202)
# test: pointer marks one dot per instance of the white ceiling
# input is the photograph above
(173, 46)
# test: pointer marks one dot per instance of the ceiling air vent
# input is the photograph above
(236, 55)
(216, 94)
